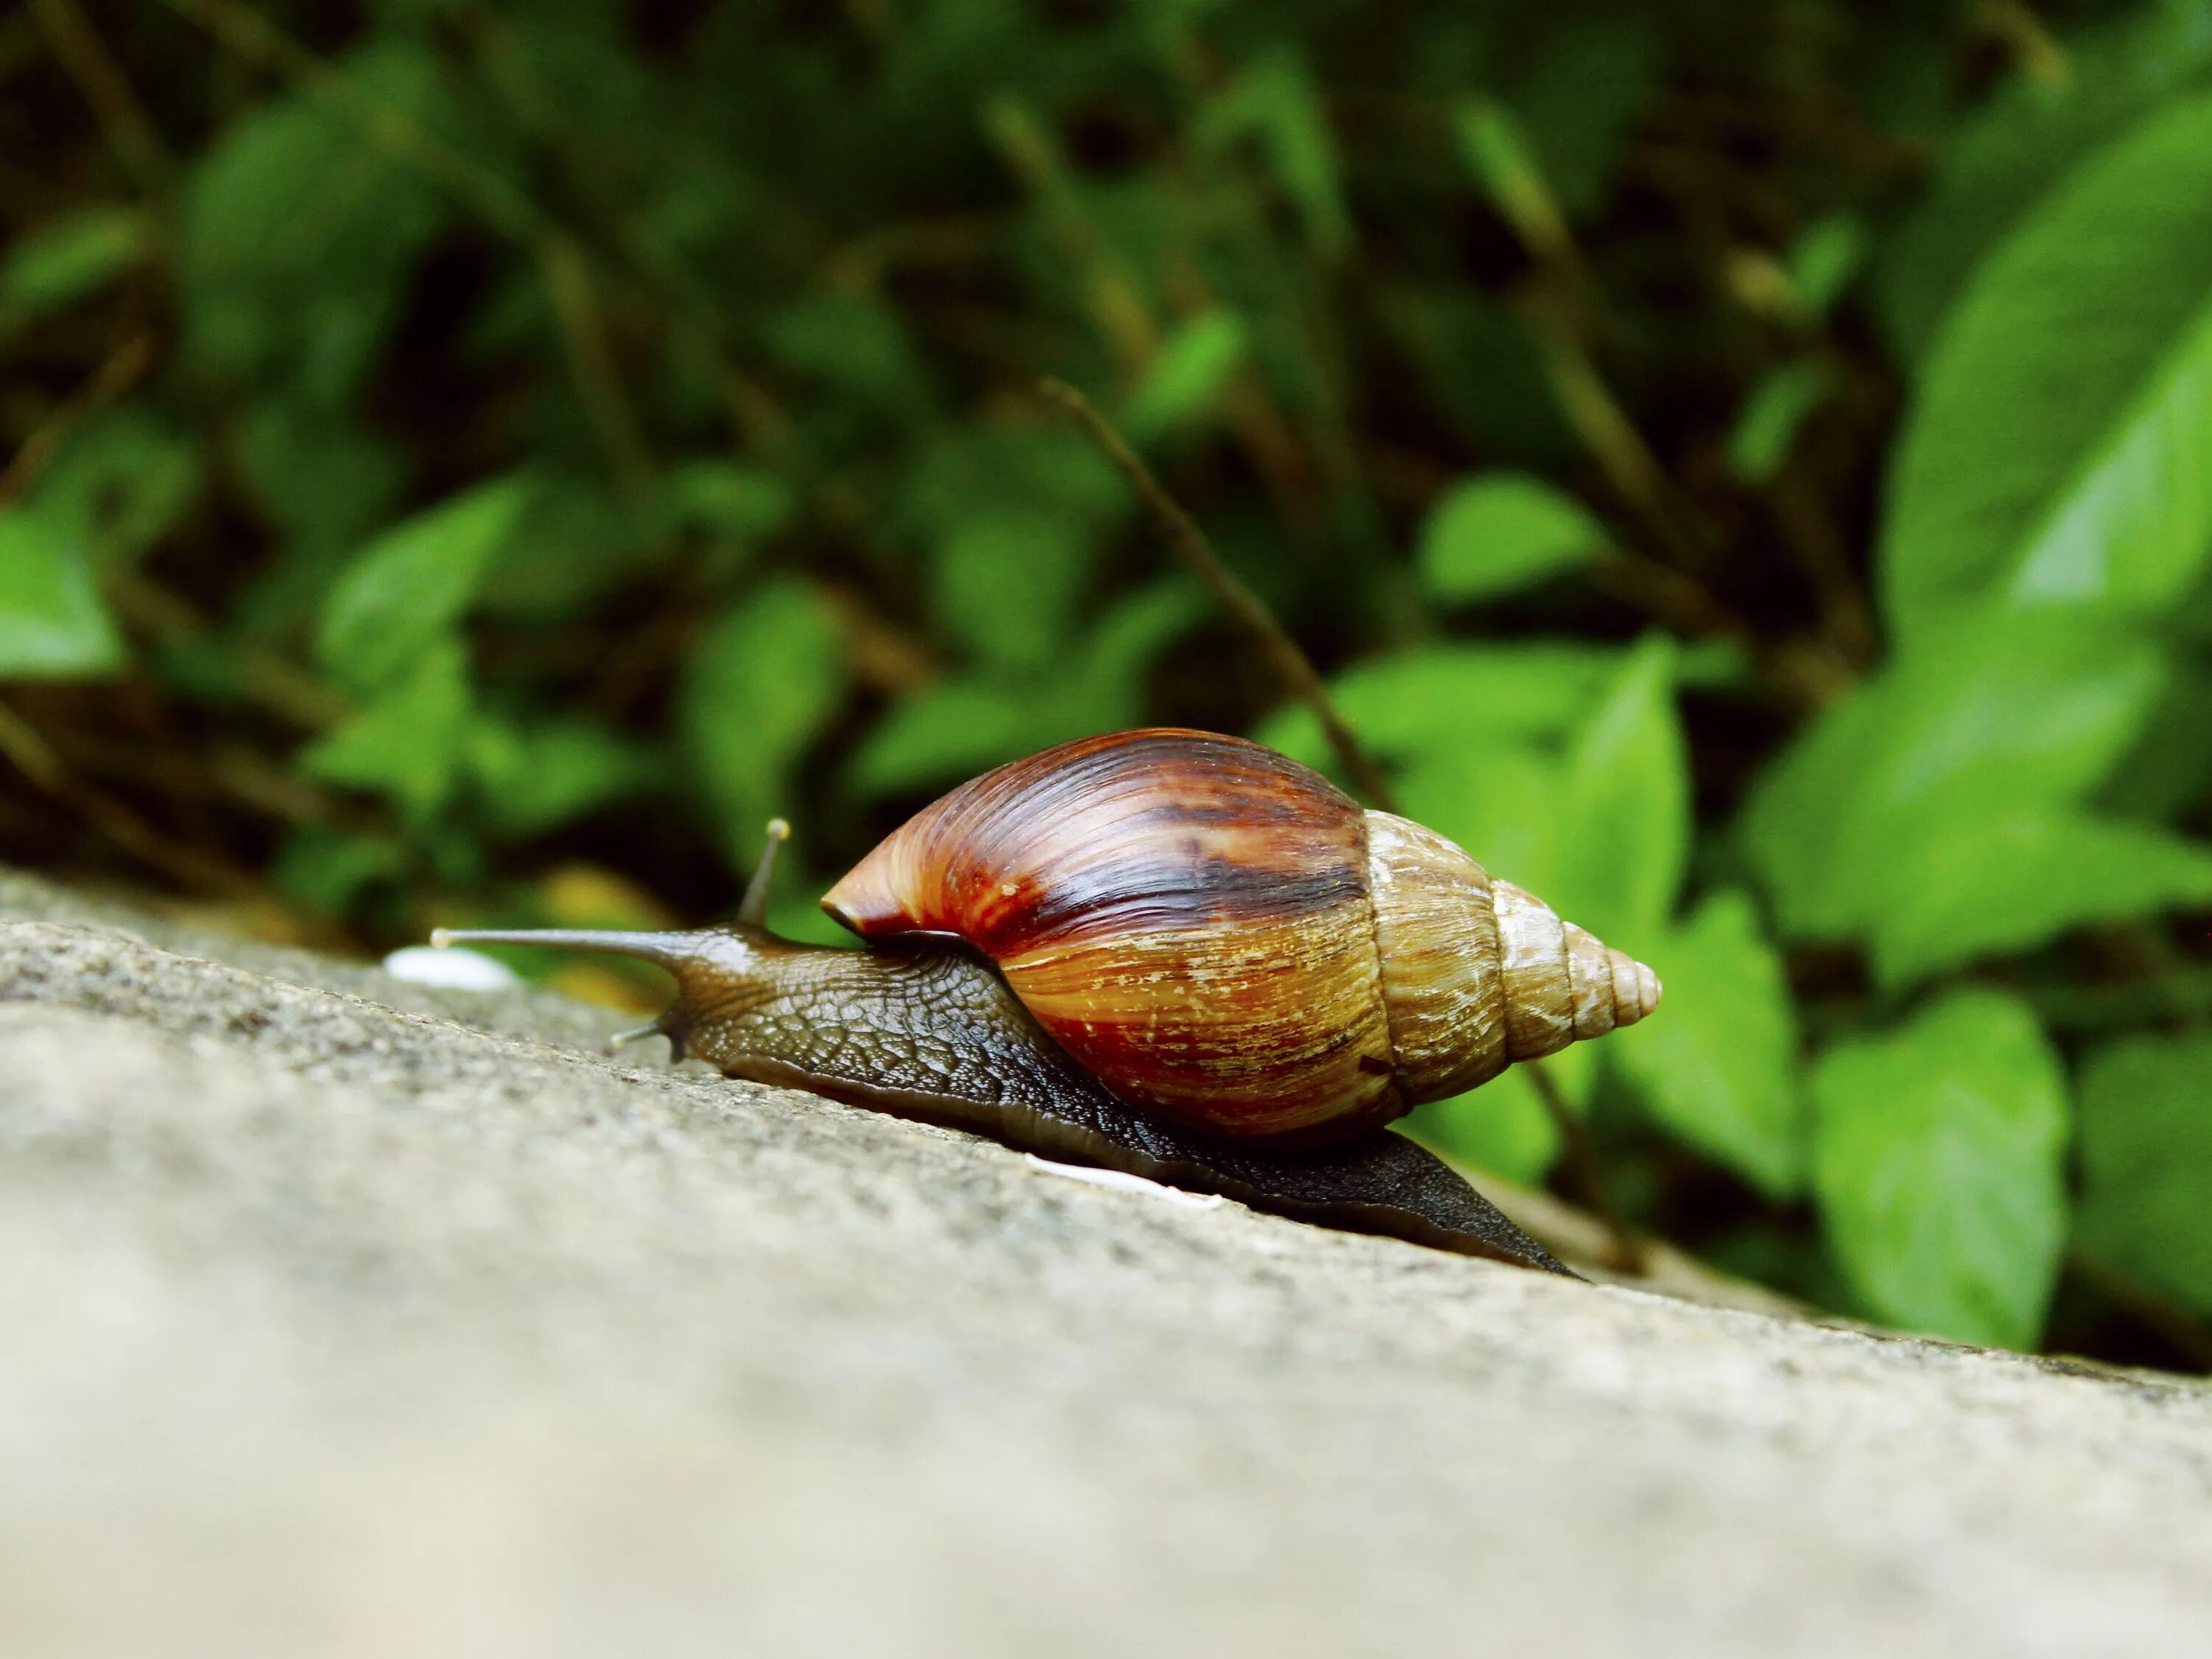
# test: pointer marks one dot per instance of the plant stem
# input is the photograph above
(1283, 653)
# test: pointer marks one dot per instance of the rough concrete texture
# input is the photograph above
(338, 1316)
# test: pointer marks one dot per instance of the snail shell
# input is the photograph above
(1220, 934)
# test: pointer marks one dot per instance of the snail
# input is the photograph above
(1174, 954)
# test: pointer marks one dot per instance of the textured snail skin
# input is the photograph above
(925, 1030)
(1177, 955)
(1220, 935)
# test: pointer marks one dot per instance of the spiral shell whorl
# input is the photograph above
(1478, 973)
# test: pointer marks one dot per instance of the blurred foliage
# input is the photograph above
(1746, 470)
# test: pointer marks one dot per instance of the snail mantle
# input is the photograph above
(348, 1315)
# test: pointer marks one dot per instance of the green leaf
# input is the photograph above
(1007, 583)
(1497, 154)
(572, 543)
(297, 234)
(2147, 1164)
(969, 723)
(324, 871)
(1443, 699)
(1501, 1127)
(1047, 470)
(324, 482)
(69, 257)
(2020, 142)
(2060, 449)
(1982, 885)
(408, 742)
(2013, 713)
(52, 625)
(742, 503)
(1502, 803)
(1768, 426)
(1183, 388)
(1277, 102)
(854, 343)
(127, 481)
(1937, 1161)
(954, 727)
(759, 687)
(1624, 833)
(1717, 1064)
(1823, 261)
(1502, 533)
(406, 590)
(533, 777)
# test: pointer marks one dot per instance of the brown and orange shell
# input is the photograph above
(1220, 934)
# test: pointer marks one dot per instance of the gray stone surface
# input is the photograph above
(341, 1317)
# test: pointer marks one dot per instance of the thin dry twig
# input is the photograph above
(1245, 608)
(84, 57)
(110, 382)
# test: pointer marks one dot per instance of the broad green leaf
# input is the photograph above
(572, 543)
(125, 481)
(297, 234)
(1007, 583)
(325, 483)
(759, 687)
(324, 871)
(2015, 712)
(533, 777)
(1772, 418)
(1501, 1127)
(69, 257)
(969, 723)
(1447, 698)
(743, 503)
(1502, 804)
(1184, 386)
(1978, 884)
(1717, 1063)
(409, 740)
(1624, 832)
(953, 728)
(1048, 471)
(854, 343)
(2020, 142)
(1938, 1158)
(52, 625)
(404, 591)
(2147, 1164)
(1502, 533)
(2059, 451)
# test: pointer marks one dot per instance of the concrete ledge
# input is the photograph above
(338, 1316)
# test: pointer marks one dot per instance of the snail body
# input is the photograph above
(1170, 952)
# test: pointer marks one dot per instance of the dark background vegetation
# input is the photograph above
(1746, 469)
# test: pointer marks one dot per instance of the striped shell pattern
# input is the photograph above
(1220, 935)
